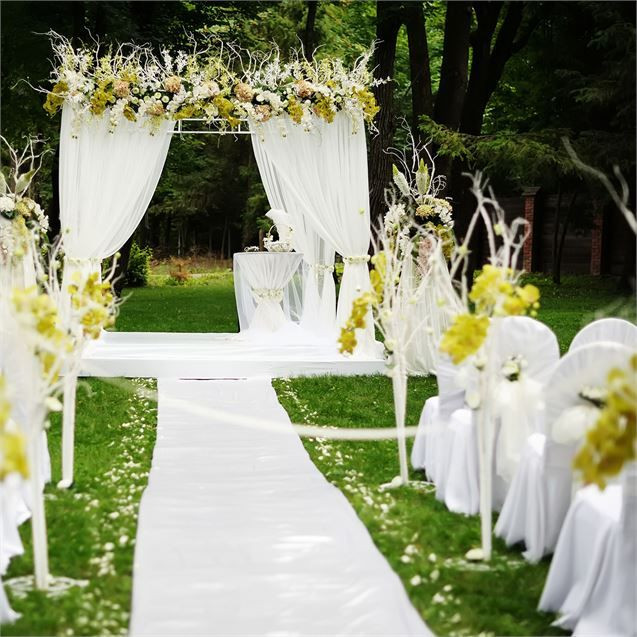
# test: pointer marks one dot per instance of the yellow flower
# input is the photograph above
(357, 320)
(347, 340)
(324, 109)
(295, 110)
(13, 455)
(55, 99)
(612, 441)
(464, 336)
(368, 103)
(5, 405)
(529, 294)
(225, 108)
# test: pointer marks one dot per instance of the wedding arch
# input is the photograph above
(120, 110)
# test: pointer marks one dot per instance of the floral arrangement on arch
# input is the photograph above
(302, 88)
(133, 83)
(22, 220)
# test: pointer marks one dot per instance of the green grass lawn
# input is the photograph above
(423, 541)
(204, 304)
(92, 526)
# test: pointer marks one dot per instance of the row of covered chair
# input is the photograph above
(539, 421)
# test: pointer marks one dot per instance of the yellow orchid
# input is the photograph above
(464, 336)
(612, 441)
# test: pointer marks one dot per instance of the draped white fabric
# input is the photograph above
(592, 582)
(319, 292)
(325, 172)
(613, 330)
(540, 494)
(107, 179)
(19, 366)
(430, 316)
(263, 283)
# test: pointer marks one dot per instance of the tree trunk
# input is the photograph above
(122, 267)
(476, 97)
(309, 34)
(421, 98)
(455, 65)
(388, 22)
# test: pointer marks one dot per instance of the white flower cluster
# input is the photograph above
(22, 223)
(271, 245)
(597, 396)
(513, 367)
(132, 83)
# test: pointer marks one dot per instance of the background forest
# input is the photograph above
(495, 85)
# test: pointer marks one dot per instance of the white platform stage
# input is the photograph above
(209, 355)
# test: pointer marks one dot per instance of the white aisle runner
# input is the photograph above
(240, 534)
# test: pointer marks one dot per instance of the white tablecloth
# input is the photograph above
(267, 289)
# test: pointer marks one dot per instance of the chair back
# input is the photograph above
(534, 341)
(613, 330)
(450, 394)
(586, 366)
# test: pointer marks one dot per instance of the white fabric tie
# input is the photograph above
(356, 260)
(268, 294)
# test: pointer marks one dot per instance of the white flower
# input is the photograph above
(53, 404)
(415, 580)
(434, 575)
(472, 398)
(6, 203)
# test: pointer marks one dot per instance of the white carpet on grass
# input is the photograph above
(240, 534)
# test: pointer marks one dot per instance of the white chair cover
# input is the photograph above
(540, 494)
(318, 311)
(592, 582)
(427, 448)
(517, 409)
(325, 172)
(264, 283)
(613, 330)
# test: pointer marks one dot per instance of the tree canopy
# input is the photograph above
(495, 85)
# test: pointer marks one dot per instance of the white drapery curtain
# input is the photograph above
(324, 170)
(107, 180)
(319, 292)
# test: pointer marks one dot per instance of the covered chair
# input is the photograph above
(429, 441)
(612, 330)
(592, 582)
(540, 494)
(517, 409)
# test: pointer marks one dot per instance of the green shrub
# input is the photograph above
(138, 269)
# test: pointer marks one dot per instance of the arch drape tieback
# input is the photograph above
(363, 258)
(83, 261)
(322, 268)
(268, 294)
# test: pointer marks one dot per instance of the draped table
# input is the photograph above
(267, 289)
